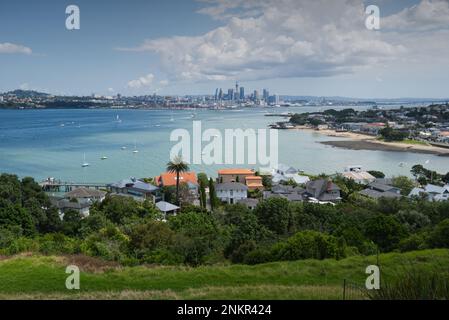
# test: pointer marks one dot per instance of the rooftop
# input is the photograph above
(169, 178)
(235, 171)
(85, 193)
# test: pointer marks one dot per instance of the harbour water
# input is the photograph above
(52, 143)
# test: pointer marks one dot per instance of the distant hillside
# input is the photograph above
(27, 94)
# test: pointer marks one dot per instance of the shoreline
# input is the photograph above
(359, 141)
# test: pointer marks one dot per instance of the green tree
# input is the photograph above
(275, 214)
(71, 223)
(214, 201)
(177, 166)
(385, 231)
(404, 183)
(439, 238)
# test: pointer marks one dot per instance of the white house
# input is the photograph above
(231, 192)
(357, 174)
(284, 173)
(432, 192)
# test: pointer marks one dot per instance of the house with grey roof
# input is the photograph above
(231, 192)
(377, 190)
(431, 192)
(137, 189)
(63, 205)
(92, 195)
(323, 190)
(291, 193)
(167, 208)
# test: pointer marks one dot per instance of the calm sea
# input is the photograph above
(54, 143)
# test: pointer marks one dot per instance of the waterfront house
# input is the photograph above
(377, 189)
(323, 190)
(284, 173)
(231, 192)
(137, 189)
(431, 192)
(357, 174)
(86, 194)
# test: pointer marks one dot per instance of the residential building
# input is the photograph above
(323, 190)
(136, 189)
(64, 205)
(231, 192)
(246, 176)
(86, 194)
(377, 189)
(432, 192)
(254, 183)
(168, 179)
(284, 173)
(358, 175)
(288, 192)
(167, 208)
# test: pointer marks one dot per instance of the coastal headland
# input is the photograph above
(358, 141)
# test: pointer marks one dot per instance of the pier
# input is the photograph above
(54, 185)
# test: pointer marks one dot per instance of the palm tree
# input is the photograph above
(177, 166)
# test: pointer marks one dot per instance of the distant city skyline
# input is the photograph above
(188, 47)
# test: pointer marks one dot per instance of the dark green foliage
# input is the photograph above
(385, 231)
(377, 174)
(439, 238)
(390, 134)
(275, 214)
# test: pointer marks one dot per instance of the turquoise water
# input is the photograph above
(52, 143)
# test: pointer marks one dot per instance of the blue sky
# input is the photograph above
(295, 47)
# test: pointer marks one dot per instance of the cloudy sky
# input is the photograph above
(296, 47)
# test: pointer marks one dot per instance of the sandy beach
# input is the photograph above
(358, 141)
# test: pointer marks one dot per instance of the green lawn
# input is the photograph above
(35, 276)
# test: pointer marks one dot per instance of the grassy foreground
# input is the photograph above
(43, 277)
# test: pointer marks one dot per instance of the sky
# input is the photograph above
(291, 47)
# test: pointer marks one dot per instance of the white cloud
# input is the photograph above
(11, 48)
(164, 83)
(294, 38)
(427, 15)
(144, 81)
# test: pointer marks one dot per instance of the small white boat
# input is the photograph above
(123, 148)
(135, 148)
(85, 164)
(118, 119)
(104, 158)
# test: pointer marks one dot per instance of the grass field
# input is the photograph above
(43, 277)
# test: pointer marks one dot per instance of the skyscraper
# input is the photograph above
(236, 97)
(230, 94)
(256, 95)
(266, 94)
(216, 94)
(242, 93)
(220, 94)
